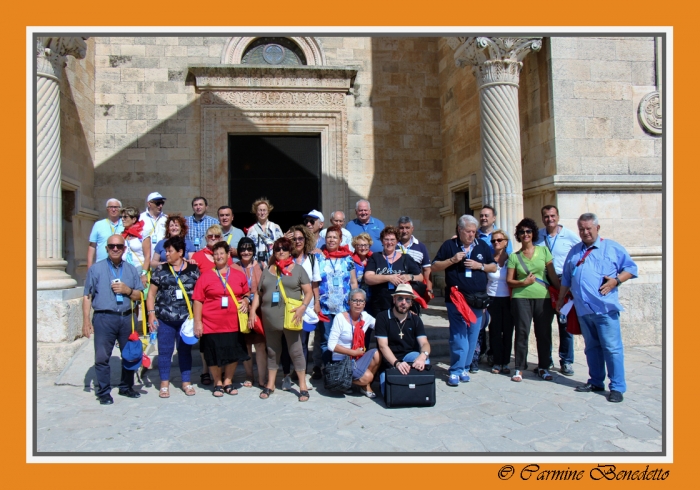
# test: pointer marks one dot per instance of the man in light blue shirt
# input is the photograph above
(487, 220)
(102, 230)
(559, 241)
(365, 223)
(199, 223)
(593, 271)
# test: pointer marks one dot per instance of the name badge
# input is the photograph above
(468, 273)
(120, 299)
(275, 298)
(391, 285)
(224, 302)
(336, 281)
(196, 242)
(178, 294)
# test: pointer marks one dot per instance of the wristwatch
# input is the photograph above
(482, 267)
(618, 281)
(426, 354)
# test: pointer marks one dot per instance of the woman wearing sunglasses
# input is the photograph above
(205, 257)
(501, 326)
(282, 273)
(253, 272)
(138, 247)
(168, 309)
(527, 277)
(218, 296)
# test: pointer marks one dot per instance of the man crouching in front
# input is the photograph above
(110, 286)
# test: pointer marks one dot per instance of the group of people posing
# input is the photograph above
(264, 292)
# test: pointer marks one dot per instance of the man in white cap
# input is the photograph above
(102, 230)
(314, 221)
(154, 219)
(401, 335)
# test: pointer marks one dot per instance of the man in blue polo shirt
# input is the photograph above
(593, 271)
(102, 230)
(559, 241)
(365, 223)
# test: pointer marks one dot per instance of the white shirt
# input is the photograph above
(342, 332)
(314, 274)
(134, 251)
(345, 240)
(153, 227)
(497, 286)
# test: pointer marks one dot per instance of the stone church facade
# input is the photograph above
(429, 127)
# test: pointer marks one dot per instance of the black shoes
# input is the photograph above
(317, 373)
(106, 399)
(129, 393)
(587, 388)
(615, 396)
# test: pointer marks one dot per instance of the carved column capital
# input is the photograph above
(494, 60)
(51, 54)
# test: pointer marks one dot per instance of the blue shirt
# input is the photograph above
(486, 237)
(559, 245)
(335, 283)
(373, 227)
(101, 231)
(197, 229)
(607, 258)
(98, 284)
(160, 249)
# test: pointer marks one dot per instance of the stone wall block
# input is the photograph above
(596, 49)
(133, 50)
(563, 69)
(598, 127)
(632, 148)
(53, 357)
(59, 320)
(564, 47)
(197, 50)
(611, 71)
(635, 49)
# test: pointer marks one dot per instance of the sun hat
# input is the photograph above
(404, 290)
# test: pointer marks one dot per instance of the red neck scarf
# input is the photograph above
(358, 334)
(356, 258)
(134, 230)
(462, 306)
(343, 251)
(283, 264)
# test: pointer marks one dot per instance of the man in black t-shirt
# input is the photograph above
(401, 335)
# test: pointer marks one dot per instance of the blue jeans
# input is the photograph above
(409, 358)
(566, 344)
(109, 329)
(168, 335)
(604, 349)
(463, 339)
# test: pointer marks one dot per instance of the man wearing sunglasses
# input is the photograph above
(154, 219)
(314, 222)
(559, 241)
(401, 335)
(102, 230)
(110, 287)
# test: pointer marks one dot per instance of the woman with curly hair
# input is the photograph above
(528, 271)
(175, 225)
(264, 232)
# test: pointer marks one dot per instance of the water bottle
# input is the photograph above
(154, 336)
(562, 318)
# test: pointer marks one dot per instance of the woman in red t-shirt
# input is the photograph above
(205, 257)
(216, 318)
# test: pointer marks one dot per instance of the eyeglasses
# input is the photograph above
(125, 216)
(158, 203)
(498, 240)
(213, 237)
(115, 246)
(404, 299)
(281, 249)
(112, 207)
(298, 239)
(362, 245)
(358, 301)
(525, 232)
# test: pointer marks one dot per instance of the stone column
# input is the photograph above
(496, 63)
(50, 60)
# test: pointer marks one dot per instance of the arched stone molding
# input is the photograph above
(310, 46)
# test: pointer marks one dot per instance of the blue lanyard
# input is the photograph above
(551, 247)
(223, 282)
(388, 265)
(112, 269)
(248, 278)
(180, 271)
(333, 264)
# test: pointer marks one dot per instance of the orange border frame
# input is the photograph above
(322, 13)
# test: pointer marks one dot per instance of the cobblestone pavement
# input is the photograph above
(490, 414)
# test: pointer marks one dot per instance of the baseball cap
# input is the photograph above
(155, 195)
(187, 332)
(316, 215)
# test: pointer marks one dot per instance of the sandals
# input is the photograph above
(248, 383)
(544, 374)
(218, 391)
(164, 392)
(304, 394)
(189, 390)
(368, 394)
(205, 379)
(517, 377)
(265, 393)
(230, 390)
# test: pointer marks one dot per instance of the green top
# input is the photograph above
(538, 266)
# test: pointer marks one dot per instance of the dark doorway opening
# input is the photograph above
(285, 169)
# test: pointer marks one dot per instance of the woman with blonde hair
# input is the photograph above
(502, 324)
(264, 232)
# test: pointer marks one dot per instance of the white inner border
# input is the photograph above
(316, 31)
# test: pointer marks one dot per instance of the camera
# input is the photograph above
(261, 256)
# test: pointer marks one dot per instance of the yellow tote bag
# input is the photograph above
(289, 305)
(242, 317)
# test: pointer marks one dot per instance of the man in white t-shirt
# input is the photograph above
(338, 218)
(154, 219)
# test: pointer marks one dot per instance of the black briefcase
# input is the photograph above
(415, 389)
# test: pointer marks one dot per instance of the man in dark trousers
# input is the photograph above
(110, 287)
(401, 335)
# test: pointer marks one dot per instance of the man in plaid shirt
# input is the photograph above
(199, 222)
